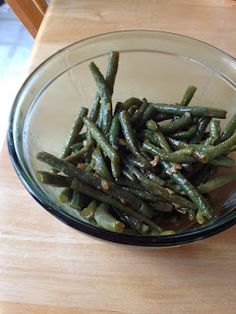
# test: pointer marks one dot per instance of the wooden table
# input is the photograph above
(47, 267)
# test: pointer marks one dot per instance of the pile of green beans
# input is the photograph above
(140, 167)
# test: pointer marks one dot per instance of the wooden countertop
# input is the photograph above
(46, 266)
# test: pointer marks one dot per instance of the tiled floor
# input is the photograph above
(15, 47)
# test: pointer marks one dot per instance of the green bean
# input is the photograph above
(195, 111)
(144, 195)
(112, 68)
(125, 182)
(176, 125)
(65, 195)
(151, 136)
(132, 111)
(229, 129)
(99, 183)
(129, 175)
(119, 107)
(133, 101)
(135, 161)
(174, 187)
(177, 144)
(102, 142)
(88, 212)
(151, 125)
(79, 155)
(186, 135)
(151, 176)
(114, 131)
(147, 115)
(222, 161)
(211, 152)
(233, 148)
(53, 179)
(77, 200)
(183, 155)
(100, 165)
(161, 191)
(188, 95)
(201, 128)
(73, 137)
(105, 220)
(96, 105)
(162, 207)
(108, 199)
(96, 113)
(189, 189)
(216, 183)
(159, 117)
(105, 95)
(180, 180)
(76, 147)
(138, 114)
(215, 131)
(131, 221)
(130, 138)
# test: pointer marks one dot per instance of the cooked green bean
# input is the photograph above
(129, 175)
(130, 138)
(216, 183)
(96, 105)
(114, 131)
(65, 195)
(73, 138)
(186, 135)
(131, 222)
(201, 128)
(77, 200)
(139, 113)
(102, 142)
(183, 155)
(211, 152)
(53, 179)
(152, 176)
(229, 129)
(143, 165)
(161, 191)
(179, 179)
(105, 95)
(76, 147)
(88, 212)
(215, 131)
(163, 207)
(222, 161)
(79, 155)
(142, 194)
(131, 102)
(195, 111)
(108, 199)
(99, 164)
(176, 125)
(151, 125)
(147, 115)
(188, 95)
(97, 182)
(105, 220)
(112, 68)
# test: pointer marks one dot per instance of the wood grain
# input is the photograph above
(46, 266)
(28, 13)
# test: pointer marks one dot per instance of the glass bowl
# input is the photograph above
(153, 64)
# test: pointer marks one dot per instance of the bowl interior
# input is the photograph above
(155, 65)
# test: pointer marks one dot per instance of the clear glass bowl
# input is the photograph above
(153, 64)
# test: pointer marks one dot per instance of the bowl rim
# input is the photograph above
(185, 237)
